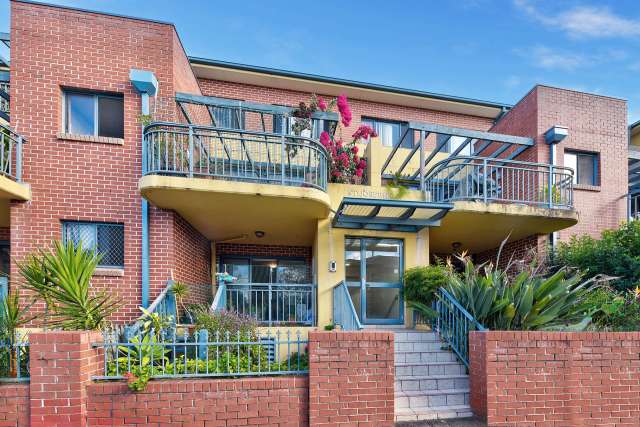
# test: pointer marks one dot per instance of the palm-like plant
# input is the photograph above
(529, 301)
(38, 279)
(12, 317)
(77, 307)
(180, 291)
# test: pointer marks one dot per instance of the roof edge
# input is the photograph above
(344, 82)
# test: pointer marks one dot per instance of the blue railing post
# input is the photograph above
(550, 186)
(191, 160)
(484, 179)
(203, 339)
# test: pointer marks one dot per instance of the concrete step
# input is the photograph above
(413, 336)
(431, 382)
(418, 346)
(432, 398)
(433, 413)
(430, 368)
(438, 355)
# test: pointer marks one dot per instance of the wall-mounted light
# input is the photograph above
(259, 234)
(456, 246)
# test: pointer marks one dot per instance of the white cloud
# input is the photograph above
(584, 21)
(564, 60)
(512, 82)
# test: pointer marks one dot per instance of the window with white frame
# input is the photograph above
(584, 165)
(87, 113)
(390, 132)
(106, 239)
(453, 143)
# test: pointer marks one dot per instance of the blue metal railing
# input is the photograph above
(188, 355)
(10, 153)
(164, 304)
(453, 324)
(344, 312)
(14, 360)
(234, 154)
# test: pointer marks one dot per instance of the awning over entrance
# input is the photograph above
(391, 215)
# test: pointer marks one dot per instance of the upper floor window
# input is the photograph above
(584, 165)
(453, 143)
(93, 114)
(228, 117)
(390, 132)
(104, 238)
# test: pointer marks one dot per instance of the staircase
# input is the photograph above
(430, 382)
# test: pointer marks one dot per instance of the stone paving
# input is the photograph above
(458, 422)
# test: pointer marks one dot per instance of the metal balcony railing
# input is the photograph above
(234, 154)
(281, 295)
(500, 180)
(10, 153)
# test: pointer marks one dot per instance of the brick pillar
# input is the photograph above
(61, 365)
(478, 373)
(351, 378)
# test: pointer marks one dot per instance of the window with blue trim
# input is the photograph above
(87, 113)
(584, 165)
(105, 238)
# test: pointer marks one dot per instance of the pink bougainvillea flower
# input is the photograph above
(354, 149)
(362, 164)
(322, 104)
(345, 110)
(359, 172)
(364, 132)
(325, 139)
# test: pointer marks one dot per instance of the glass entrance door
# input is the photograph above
(373, 273)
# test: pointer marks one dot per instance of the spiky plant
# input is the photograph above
(77, 306)
(180, 291)
(12, 317)
(38, 279)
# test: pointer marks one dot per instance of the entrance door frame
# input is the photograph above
(363, 284)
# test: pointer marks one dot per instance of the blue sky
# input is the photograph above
(493, 50)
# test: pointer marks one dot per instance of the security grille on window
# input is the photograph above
(585, 166)
(105, 239)
(93, 114)
(231, 118)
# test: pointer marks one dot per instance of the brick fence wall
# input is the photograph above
(555, 378)
(277, 401)
(351, 378)
(350, 382)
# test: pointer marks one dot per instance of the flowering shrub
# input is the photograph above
(345, 165)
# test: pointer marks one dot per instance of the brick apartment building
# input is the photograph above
(192, 194)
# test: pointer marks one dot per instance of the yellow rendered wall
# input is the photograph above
(329, 245)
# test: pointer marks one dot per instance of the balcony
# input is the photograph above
(11, 186)
(273, 296)
(463, 178)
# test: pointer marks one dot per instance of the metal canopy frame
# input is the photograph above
(402, 222)
(485, 140)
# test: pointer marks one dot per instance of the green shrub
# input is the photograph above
(529, 301)
(422, 283)
(616, 253)
(223, 323)
(613, 311)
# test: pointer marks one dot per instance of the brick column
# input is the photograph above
(478, 373)
(61, 365)
(351, 378)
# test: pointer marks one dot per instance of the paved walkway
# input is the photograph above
(460, 422)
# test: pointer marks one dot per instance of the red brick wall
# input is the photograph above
(359, 108)
(516, 250)
(55, 48)
(246, 249)
(556, 378)
(192, 260)
(14, 405)
(351, 377)
(61, 365)
(274, 401)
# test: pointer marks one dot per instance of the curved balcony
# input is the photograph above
(482, 179)
(234, 154)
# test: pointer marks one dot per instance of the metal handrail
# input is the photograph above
(164, 304)
(487, 179)
(236, 154)
(344, 312)
(453, 323)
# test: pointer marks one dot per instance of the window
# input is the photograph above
(105, 239)
(453, 143)
(94, 114)
(390, 132)
(584, 165)
(228, 117)
(317, 125)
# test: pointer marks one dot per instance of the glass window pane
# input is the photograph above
(383, 303)
(111, 117)
(352, 260)
(264, 270)
(586, 169)
(383, 261)
(78, 233)
(238, 268)
(111, 244)
(355, 292)
(80, 114)
(571, 161)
